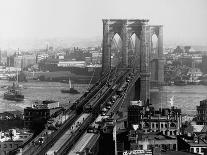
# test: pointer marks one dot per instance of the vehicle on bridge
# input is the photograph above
(70, 133)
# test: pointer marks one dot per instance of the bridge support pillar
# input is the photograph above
(160, 67)
(106, 57)
(125, 42)
(145, 74)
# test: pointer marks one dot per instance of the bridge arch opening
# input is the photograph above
(153, 58)
(116, 48)
(154, 45)
(133, 50)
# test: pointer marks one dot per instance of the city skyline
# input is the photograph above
(184, 21)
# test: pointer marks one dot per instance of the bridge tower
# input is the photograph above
(142, 59)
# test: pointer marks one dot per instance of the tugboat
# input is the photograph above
(71, 90)
(13, 94)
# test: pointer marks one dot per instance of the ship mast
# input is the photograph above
(70, 84)
(17, 77)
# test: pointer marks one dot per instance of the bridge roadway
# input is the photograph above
(32, 147)
(94, 109)
(108, 80)
(89, 138)
(119, 102)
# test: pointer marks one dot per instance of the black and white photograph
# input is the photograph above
(103, 77)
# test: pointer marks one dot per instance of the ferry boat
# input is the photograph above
(14, 95)
(71, 89)
(14, 92)
(180, 83)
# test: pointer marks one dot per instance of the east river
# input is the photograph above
(185, 97)
(39, 91)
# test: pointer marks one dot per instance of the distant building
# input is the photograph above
(71, 64)
(96, 58)
(3, 60)
(187, 49)
(42, 57)
(204, 64)
(178, 50)
(18, 61)
(10, 61)
(28, 60)
(194, 73)
(88, 60)
(0, 56)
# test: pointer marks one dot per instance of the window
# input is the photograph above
(202, 150)
(149, 147)
(191, 149)
(162, 126)
(140, 147)
(197, 150)
(172, 125)
(174, 146)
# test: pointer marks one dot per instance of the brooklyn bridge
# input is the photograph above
(100, 115)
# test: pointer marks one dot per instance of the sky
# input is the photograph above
(183, 20)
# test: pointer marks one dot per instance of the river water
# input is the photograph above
(185, 97)
(36, 90)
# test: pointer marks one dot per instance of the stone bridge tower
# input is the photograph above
(143, 60)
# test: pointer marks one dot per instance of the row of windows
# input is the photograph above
(156, 125)
(163, 146)
(165, 132)
(7, 146)
(202, 111)
(202, 118)
(41, 113)
(197, 150)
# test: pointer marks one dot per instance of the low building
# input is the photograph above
(42, 56)
(39, 113)
(194, 73)
(167, 121)
(193, 144)
(202, 113)
(71, 64)
(152, 140)
(12, 139)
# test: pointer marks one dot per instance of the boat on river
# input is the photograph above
(14, 93)
(71, 89)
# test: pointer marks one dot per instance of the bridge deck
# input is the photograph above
(61, 141)
(82, 143)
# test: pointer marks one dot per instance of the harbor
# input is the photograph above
(39, 90)
(185, 97)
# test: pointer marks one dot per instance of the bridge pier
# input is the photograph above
(142, 55)
(106, 54)
(125, 42)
